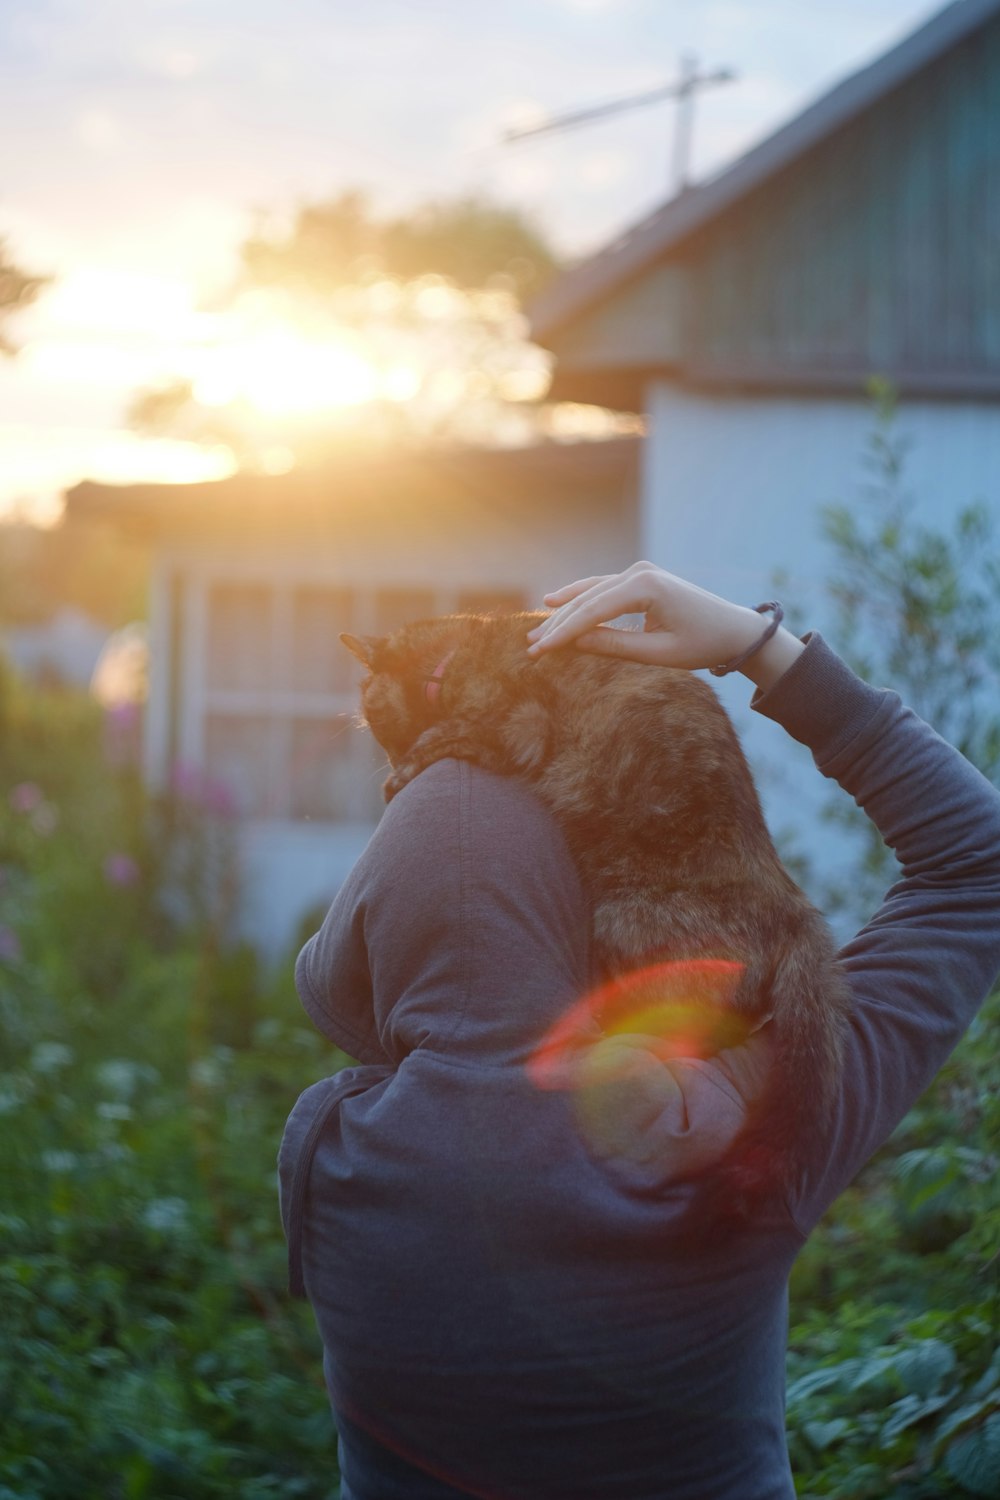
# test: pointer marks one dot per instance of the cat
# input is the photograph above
(644, 772)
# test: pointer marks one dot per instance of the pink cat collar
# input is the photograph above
(432, 684)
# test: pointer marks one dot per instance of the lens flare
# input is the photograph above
(681, 1009)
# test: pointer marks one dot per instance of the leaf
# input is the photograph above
(923, 1367)
(820, 1380)
(907, 1412)
(822, 1435)
(974, 1460)
(968, 1416)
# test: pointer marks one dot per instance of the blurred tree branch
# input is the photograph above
(471, 241)
(17, 289)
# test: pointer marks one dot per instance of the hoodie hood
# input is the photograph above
(476, 925)
(465, 937)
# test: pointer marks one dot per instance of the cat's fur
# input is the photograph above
(641, 767)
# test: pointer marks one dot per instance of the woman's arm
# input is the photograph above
(922, 967)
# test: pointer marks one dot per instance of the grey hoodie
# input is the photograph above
(504, 1299)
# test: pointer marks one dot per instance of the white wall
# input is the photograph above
(733, 488)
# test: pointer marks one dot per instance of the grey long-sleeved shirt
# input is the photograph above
(502, 1306)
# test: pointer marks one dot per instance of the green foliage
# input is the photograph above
(147, 1345)
(894, 1367)
(917, 608)
(893, 1364)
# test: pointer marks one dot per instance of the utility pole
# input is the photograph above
(683, 92)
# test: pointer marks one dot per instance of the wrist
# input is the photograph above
(773, 659)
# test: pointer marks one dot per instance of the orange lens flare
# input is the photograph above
(681, 1010)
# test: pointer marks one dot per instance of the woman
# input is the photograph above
(508, 1302)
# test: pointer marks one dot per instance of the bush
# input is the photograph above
(149, 1347)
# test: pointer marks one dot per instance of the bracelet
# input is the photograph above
(737, 661)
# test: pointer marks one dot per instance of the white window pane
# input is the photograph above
(326, 770)
(240, 633)
(238, 756)
(320, 663)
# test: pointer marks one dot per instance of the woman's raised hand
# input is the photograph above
(685, 626)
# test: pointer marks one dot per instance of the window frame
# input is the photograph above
(282, 706)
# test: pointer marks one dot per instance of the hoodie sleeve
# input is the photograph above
(332, 973)
(921, 968)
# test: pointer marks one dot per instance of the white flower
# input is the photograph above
(207, 1072)
(165, 1214)
(121, 1076)
(15, 1089)
(49, 1057)
(113, 1111)
(116, 1151)
(59, 1161)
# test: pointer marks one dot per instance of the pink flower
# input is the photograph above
(195, 786)
(121, 869)
(26, 796)
(10, 945)
(45, 818)
(123, 734)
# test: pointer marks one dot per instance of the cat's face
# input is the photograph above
(394, 696)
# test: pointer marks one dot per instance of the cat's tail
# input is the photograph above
(807, 998)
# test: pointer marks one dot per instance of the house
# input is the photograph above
(254, 578)
(744, 317)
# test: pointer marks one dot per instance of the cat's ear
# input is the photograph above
(363, 647)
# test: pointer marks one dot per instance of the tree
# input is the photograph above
(352, 326)
(471, 241)
(17, 289)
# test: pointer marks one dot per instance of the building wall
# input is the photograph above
(733, 489)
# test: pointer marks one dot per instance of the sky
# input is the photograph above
(145, 138)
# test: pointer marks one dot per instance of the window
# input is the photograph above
(320, 662)
(240, 632)
(277, 719)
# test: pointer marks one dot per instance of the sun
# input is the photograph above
(281, 373)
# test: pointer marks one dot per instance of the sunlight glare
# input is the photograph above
(283, 374)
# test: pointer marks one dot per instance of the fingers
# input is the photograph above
(571, 590)
(603, 601)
